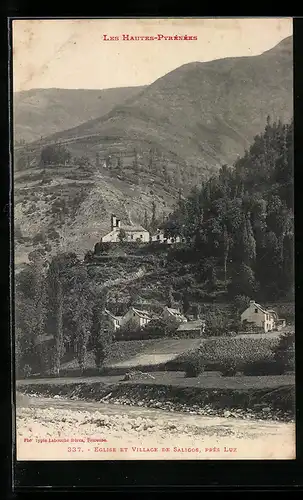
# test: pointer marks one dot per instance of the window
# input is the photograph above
(256, 310)
(141, 235)
(132, 237)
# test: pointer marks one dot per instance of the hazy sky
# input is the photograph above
(72, 53)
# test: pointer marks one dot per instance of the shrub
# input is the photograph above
(284, 352)
(229, 368)
(27, 370)
(217, 323)
(194, 367)
(100, 355)
(161, 328)
(259, 368)
(240, 303)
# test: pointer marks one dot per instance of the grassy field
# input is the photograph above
(135, 353)
(173, 354)
(209, 380)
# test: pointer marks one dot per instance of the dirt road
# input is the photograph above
(54, 429)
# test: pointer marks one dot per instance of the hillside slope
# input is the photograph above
(41, 112)
(182, 128)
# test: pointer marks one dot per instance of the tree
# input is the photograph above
(284, 352)
(83, 336)
(216, 324)
(55, 155)
(288, 261)
(120, 164)
(122, 235)
(197, 311)
(145, 220)
(31, 303)
(55, 312)
(243, 281)
(136, 166)
(82, 161)
(185, 302)
(133, 297)
(129, 330)
(108, 162)
(240, 303)
(249, 243)
(153, 223)
(101, 333)
(97, 159)
(226, 246)
(150, 161)
(170, 297)
(160, 327)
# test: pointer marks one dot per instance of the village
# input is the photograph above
(255, 317)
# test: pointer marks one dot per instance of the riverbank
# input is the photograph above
(64, 429)
(241, 397)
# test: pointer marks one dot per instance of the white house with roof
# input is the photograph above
(267, 319)
(138, 317)
(173, 314)
(131, 232)
(116, 321)
(159, 237)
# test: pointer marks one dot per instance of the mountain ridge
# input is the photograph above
(179, 90)
(170, 135)
(64, 108)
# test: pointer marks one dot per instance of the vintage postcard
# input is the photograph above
(154, 238)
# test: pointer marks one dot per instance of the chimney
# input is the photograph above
(113, 221)
(118, 223)
(252, 302)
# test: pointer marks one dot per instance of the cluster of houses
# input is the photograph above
(140, 319)
(254, 316)
(134, 233)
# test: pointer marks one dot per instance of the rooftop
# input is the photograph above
(263, 309)
(112, 315)
(142, 314)
(176, 313)
(191, 325)
(128, 228)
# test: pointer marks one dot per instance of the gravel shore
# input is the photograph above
(58, 429)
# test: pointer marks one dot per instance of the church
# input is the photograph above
(132, 233)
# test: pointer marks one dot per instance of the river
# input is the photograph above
(63, 429)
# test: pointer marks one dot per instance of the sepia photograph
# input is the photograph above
(153, 212)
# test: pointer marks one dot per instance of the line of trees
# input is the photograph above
(57, 312)
(242, 220)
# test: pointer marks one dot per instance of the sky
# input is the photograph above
(72, 53)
